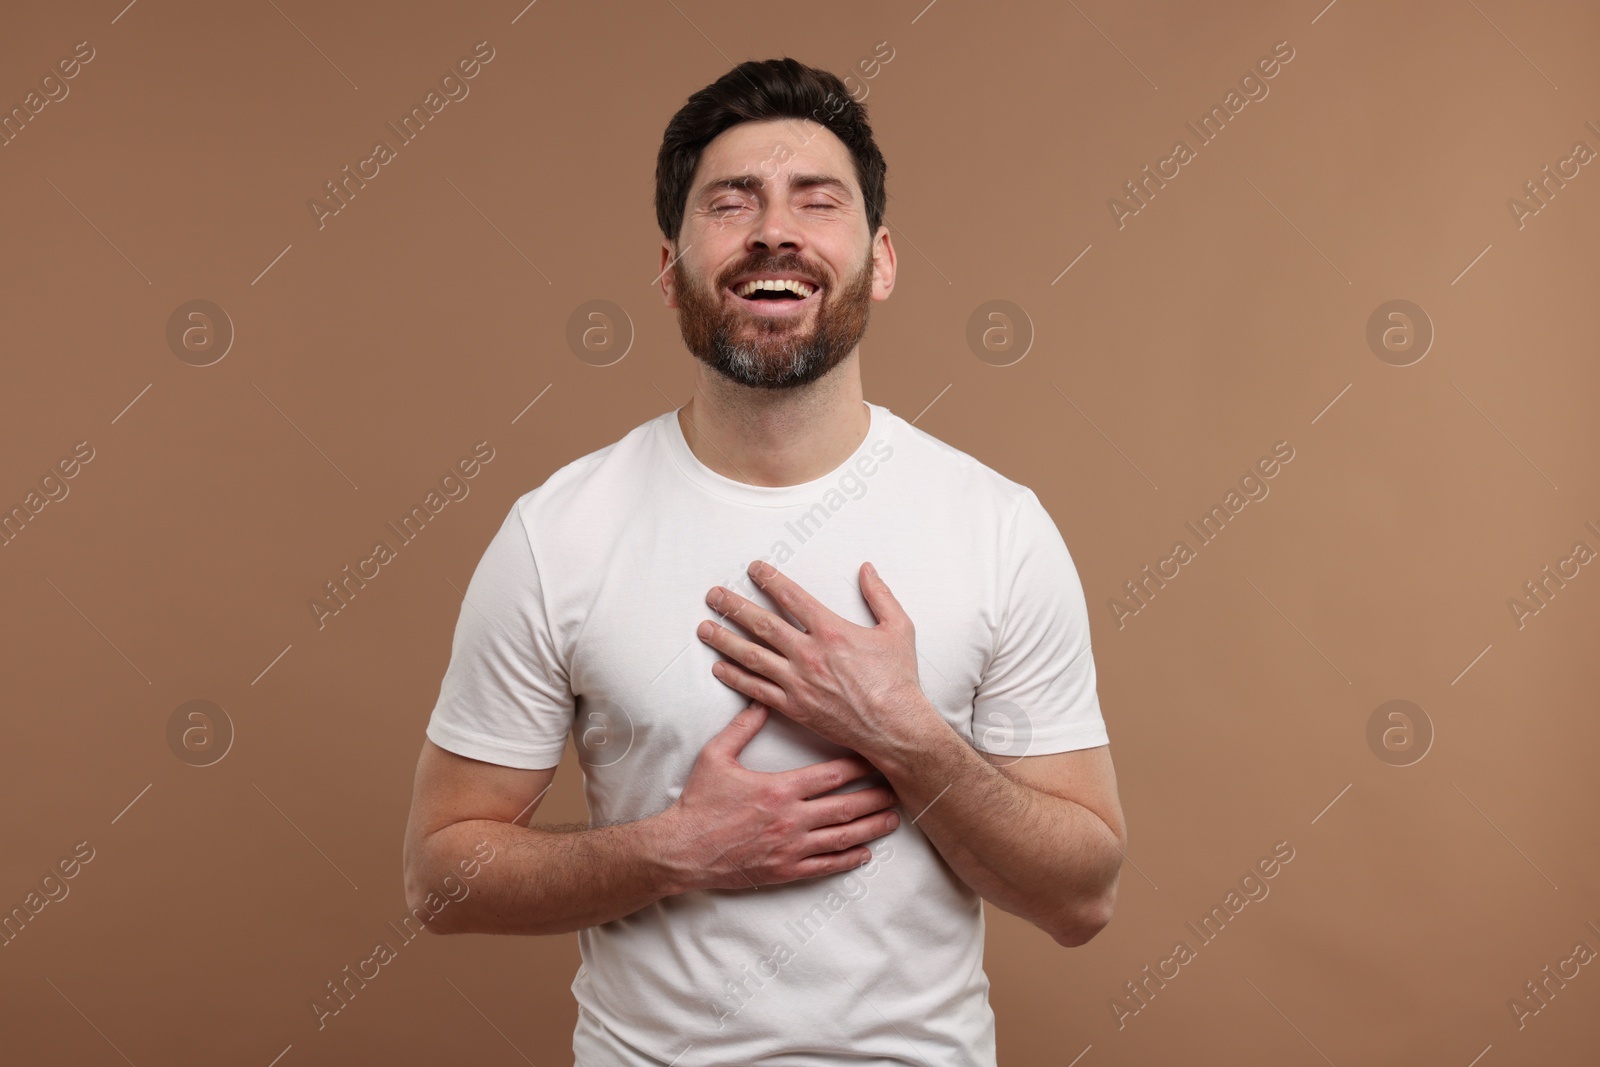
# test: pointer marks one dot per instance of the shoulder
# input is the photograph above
(593, 484)
(968, 481)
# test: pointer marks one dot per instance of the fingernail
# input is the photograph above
(893, 820)
(704, 629)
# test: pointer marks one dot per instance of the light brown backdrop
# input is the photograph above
(1230, 313)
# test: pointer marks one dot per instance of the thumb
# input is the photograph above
(876, 592)
(732, 738)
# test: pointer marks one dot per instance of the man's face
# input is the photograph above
(776, 200)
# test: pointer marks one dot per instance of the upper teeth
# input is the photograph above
(799, 288)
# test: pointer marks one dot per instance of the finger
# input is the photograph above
(787, 594)
(824, 777)
(878, 597)
(852, 833)
(832, 862)
(755, 619)
(755, 658)
(751, 685)
(731, 739)
(842, 808)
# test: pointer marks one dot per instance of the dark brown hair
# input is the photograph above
(753, 91)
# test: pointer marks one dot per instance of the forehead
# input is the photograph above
(774, 148)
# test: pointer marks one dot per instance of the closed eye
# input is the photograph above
(718, 209)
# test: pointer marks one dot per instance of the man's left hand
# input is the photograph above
(855, 685)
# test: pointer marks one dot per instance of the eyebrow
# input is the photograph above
(755, 181)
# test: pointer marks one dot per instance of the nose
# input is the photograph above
(776, 228)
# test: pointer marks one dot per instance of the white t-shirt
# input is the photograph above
(580, 619)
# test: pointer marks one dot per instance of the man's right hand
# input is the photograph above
(735, 828)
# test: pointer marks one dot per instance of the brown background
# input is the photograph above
(1227, 315)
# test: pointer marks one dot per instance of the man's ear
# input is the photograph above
(884, 264)
(668, 291)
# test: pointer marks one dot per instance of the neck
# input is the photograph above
(776, 437)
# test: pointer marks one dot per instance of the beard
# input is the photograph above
(771, 353)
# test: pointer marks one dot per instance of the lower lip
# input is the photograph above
(776, 308)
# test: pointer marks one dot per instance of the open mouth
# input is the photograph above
(775, 296)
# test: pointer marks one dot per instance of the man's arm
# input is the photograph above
(543, 880)
(1041, 837)
(730, 828)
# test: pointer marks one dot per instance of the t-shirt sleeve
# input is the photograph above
(1037, 694)
(505, 697)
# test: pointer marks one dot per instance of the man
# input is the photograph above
(796, 808)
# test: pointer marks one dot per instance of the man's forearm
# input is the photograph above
(548, 880)
(1042, 857)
